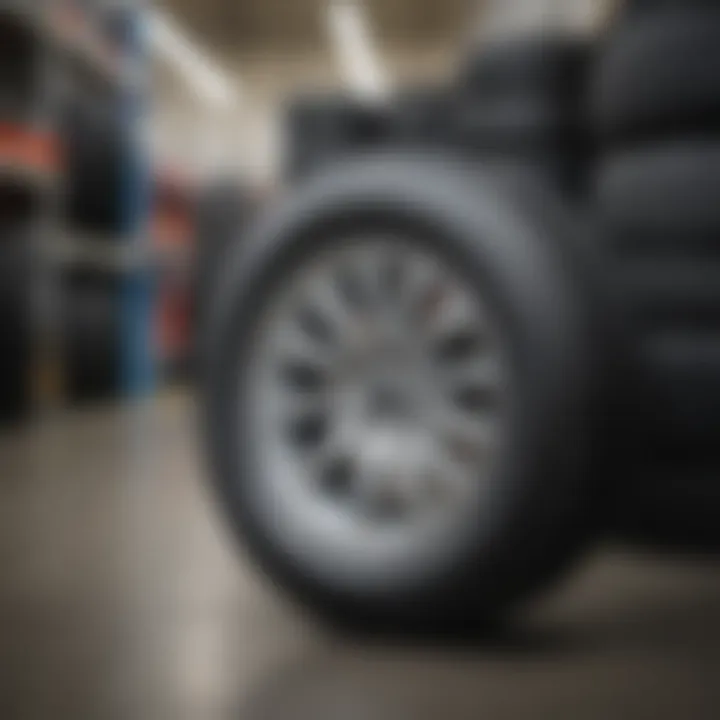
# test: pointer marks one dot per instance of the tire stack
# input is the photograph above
(92, 335)
(15, 324)
(522, 99)
(96, 146)
(95, 149)
(656, 107)
(27, 168)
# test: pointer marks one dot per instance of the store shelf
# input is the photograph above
(72, 55)
(17, 174)
(106, 254)
(75, 38)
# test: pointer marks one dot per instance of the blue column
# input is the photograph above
(137, 286)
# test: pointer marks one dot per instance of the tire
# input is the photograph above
(96, 150)
(19, 51)
(524, 100)
(663, 197)
(92, 338)
(469, 224)
(662, 223)
(512, 125)
(421, 117)
(15, 327)
(531, 132)
(645, 6)
(683, 377)
(638, 95)
(537, 66)
(322, 129)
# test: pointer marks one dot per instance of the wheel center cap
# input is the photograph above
(388, 401)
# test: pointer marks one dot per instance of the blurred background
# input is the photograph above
(135, 140)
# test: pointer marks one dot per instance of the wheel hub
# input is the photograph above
(378, 391)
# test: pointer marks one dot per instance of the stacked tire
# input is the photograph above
(522, 100)
(96, 151)
(92, 336)
(15, 326)
(422, 117)
(322, 128)
(95, 146)
(518, 100)
(656, 106)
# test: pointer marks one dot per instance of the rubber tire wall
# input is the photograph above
(95, 148)
(655, 103)
(659, 74)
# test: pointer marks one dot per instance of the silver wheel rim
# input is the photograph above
(376, 405)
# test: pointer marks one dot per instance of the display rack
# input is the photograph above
(67, 52)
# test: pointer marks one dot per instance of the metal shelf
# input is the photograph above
(106, 254)
(76, 56)
(75, 39)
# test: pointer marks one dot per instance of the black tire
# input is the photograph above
(528, 131)
(96, 150)
(323, 129)
(92, 337)
(663, 197)
(661, 219)
(15, 327)
(421, 117)
(683, 382)
(645, 6)
(518, 124)
(658, 75)
(20, 60)
(538, 66)
(521, 261)
(524, 99)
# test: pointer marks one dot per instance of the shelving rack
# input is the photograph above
(67, 52)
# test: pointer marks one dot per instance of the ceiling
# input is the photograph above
(255, 24)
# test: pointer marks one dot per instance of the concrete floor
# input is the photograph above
(121, 596)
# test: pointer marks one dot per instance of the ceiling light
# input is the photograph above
(353, 47)
(171, 43)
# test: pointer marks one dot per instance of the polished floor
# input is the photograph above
(121, 596)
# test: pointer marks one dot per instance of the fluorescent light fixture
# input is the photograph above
(353, 47)
(171, 43)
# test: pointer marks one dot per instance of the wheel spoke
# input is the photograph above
(459, 325)
(305, 376)
(308, 430)
(468, 439)
(474, 387)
